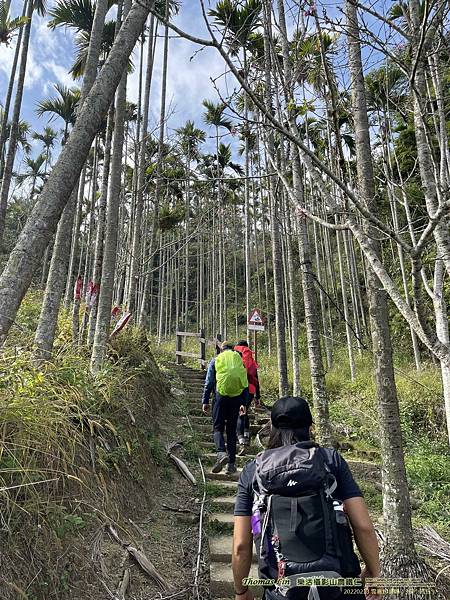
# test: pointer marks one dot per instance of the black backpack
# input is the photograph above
(300, 530)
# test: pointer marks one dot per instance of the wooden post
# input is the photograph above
(179, 345)
(202, 349)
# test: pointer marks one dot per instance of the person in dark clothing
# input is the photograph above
(227, 406)
(291, 424)
(243, 428)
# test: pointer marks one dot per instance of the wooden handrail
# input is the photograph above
(179, 353)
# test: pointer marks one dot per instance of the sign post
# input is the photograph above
(255, 324)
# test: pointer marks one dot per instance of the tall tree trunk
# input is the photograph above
(7, 105)
(247, 198)
(311, 303)
(105, 299)
(399, 555)
(424, 151)
(137, 233)
(348, 330)
(100, 233)
(144, 312)
(56, 282)
(60, 260)
(274, 225)
(36, 234)
(187, 211)
(14, 127)
(292, 289)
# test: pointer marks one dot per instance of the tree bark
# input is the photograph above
(56, 282)
(14, 127)
(105, 299)
(137, 233)
(399, 556)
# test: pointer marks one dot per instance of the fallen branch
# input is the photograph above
(182, 467)
(148, 568)
(123, 585)
(200, 531)
(174, 595)
(133, 420)
(142, 561)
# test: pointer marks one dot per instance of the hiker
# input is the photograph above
(227, 376)
(296, 500)
(243, 429)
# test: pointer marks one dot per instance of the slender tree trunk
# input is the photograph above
(296, 385)
(311, 304)
(275, 229)
(187, 210)
(60, 259)
(12, 79)
(348, 331)
(137, 233)
(14, 127)
(100, 233)
(75, 235)
(143, 316)
(48, 319)
(399, 556)
(102, 326)
(424, 151)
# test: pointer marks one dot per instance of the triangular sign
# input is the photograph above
(255, 318)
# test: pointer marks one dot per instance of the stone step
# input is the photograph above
(210, 459)
(223, 476)
(207, 427)
(198, 416)
(222, 585)
(225, 503)
(224, 518)
(220, 548)
(228, 487)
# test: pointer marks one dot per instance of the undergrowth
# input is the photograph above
(65, 438)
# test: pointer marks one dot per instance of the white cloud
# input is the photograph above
(190, 69)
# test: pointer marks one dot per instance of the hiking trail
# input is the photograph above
(221, 487)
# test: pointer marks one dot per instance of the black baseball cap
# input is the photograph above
(291, 412)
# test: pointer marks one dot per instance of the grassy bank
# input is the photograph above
(78, 454)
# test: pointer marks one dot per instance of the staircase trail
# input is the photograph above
(222, 495)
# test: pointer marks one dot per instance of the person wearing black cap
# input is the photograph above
(296, 501)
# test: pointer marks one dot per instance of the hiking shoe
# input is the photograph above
(222, 459)
(231, 469)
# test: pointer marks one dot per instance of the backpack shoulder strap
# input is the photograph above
(326, 454)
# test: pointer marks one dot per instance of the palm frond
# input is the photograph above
(74, 14)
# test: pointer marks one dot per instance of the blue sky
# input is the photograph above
(51, 54)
